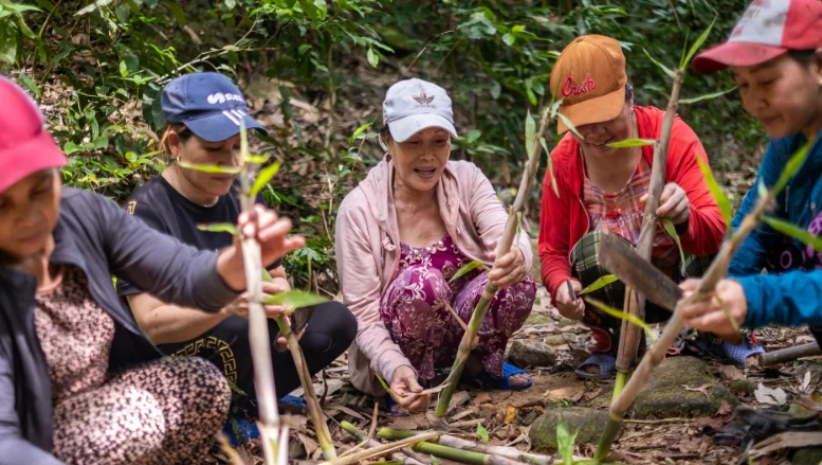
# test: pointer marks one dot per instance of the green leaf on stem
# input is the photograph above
(761, 190)
(295, 299)
(554, 108)
(550, 167)
(686, 101)
(697, 45)
(267, 276)
(482, 433)
(210, 168)
(599, 284)
(727, 312)
(791, 168)
(219, 227)
(671, 74)
(716, 192)
(434, 460)
(467, 268)
(631, 143)
(530, 129)
(265, 177)
(570, 125)
(565, 442)
(622, 316)
(359, 131)
(385, 385)
(795, 232)
(671, 229)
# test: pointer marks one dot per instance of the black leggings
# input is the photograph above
(329, 332)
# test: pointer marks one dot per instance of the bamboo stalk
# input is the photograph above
(362, 436)
(314, 408)
(464, 444)
(717, 271)
(634, 303)
(382, 449)
(469, 339)
(810, 349)
(259, 340)
(619, 385)
(450, 453)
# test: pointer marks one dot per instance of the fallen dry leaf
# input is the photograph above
(766, 395)
(703, 389)
(510, 414)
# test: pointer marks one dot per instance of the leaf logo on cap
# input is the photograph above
(423, 98)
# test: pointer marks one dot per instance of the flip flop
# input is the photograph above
(737, 354)
(291, 404)
(606, 362)
(502, 383)
(239, 431)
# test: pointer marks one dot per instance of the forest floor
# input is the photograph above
(673, 436)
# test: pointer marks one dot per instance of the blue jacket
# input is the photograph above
(793, 297)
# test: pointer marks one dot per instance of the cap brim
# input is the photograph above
(35, 155)
(402, 129)
(220, 126)
(595, 110)
(735, 54)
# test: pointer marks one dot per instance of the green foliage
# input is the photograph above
(622, 316)
(632, 143)
(720, 197)
(265, 177)
(791, 168)
(219, 227)
(467, 268)
(599, 284)
(565, 442)
(482, 433)
(671, 230)
(294, 299)
(795, 232)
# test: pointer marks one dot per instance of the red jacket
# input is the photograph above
(564, 220)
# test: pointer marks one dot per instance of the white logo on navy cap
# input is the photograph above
(220, 97)
(235, 115)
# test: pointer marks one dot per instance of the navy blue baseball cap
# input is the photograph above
(209, 104)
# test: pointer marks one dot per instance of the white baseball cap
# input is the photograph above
(413, 105)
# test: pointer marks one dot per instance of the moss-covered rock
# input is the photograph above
(587, 423)
(538, 318)
(807, 456)
(743, 387)
(666, 395)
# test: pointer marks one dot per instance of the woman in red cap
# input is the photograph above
(79, 382)
(775, 52)
(603, 189)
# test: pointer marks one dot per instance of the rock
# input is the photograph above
(525, 353)
(743, 386)
(587, 423)
(808, 456)
(555, 340)
(529, 418)
(538, 318)
(665, 395)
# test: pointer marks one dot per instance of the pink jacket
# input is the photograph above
(368, 246)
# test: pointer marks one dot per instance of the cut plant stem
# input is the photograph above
(655, 354)
(382, 449)
(634, 304)
(621, 379)
(362, 436)
(450, 453)
(469, 338)
(460, 443)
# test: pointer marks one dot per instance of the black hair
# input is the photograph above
(804, 57)
(183, 133)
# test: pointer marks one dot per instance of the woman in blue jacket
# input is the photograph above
(776, 54)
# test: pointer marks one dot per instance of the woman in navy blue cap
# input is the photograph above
(204, 111)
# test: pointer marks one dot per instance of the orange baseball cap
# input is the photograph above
(590, 78)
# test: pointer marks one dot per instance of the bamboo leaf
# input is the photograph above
(555, 104)
(258, 159)
(719, 196)
(530, 129)
(664, 68)
(294, 299)
(686, 101)
(210, 168)
(482, 433)
(218, 227)
(671, 229)
(697, 45)
(467, 268)
(264, 177)
(623, 316)
(761, 189)
(267, 276)
(791, 168)
(359, 131)
(795, 232)
(550, 167)
(570, 125)
(631, 143)
(599, 284)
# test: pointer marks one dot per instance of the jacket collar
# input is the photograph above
(65, 247)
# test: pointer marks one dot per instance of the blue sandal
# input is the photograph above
(605, 361)
(737, 354)
(239, 430)
(502, 383)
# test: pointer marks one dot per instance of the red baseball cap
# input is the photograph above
(768, 28)
(25, 145)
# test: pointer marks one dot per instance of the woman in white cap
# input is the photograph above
(401, 236)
